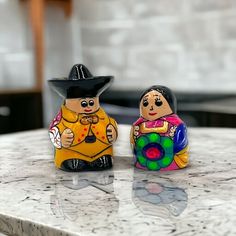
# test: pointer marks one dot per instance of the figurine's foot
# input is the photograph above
(74, 165)
(102, 163)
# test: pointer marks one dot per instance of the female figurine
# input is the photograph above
(159, 136)
(82, 133)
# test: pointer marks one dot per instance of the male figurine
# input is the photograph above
(82, 132)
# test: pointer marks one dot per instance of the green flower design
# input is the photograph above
(154, 151)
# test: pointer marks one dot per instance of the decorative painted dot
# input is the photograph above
(167, 143)
(79, 140)
(153, 165)
(97, 133)
(82, 135)
(153, 137)
(153, 153)
(85, 129)
(166, 161)
(142, 160)
(103, 137)
(142, 141)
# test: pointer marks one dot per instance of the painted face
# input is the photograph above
(83, 105)
(154, 106)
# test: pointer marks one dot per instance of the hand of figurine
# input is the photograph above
(111, 133)
(136, 131)
(95, 119)
(172, 131)
(67, 138)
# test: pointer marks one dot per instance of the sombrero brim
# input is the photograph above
(89, 87)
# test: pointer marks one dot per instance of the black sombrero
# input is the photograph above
(80, 83)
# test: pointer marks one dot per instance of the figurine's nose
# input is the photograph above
(151, 109)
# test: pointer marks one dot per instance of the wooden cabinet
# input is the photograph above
(20, 111)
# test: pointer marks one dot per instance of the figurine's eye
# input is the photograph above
(84, 104)
(91, 103)
(145, 103)
(158, 102)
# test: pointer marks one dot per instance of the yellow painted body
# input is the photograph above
(182, 158)
(79, 149)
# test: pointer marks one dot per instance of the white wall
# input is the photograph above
(63, 49)
(16, 56)
(189, 45)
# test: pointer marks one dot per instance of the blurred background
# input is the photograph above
(187, 45)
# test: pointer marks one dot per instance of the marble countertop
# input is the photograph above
(38, 199)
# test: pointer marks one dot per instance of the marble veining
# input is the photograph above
(38, 199)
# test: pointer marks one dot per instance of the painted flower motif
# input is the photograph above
(154, 151)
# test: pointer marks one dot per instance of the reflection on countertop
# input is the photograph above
(38, 199)
(158, 196)
(84, 196)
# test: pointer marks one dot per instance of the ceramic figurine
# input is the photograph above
(82, 133)
(159, 136)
